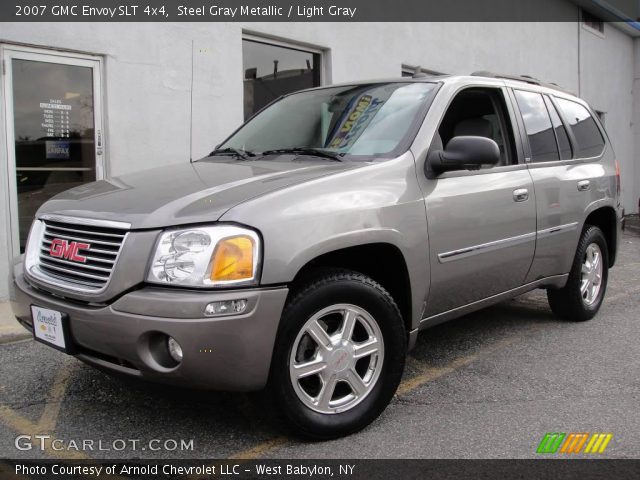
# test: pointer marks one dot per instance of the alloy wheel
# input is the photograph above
(591, 274)
(336, 358)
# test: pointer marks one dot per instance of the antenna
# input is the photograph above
(191, 110)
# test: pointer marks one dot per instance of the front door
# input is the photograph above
(482, 224)
(54, 129)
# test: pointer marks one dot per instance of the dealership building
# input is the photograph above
(85, 101)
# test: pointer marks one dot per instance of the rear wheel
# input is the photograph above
(340, 355)
(582, 296)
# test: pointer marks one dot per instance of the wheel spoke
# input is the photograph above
(319, 335)
(356, 383)
(584, 287)
(326, 392)
(596, 261)
(307, 369)
(348, 324)
(364, 349)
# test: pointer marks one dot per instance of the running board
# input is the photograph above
(557, 281)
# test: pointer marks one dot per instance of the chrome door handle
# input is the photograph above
(520, 195)
(584, 185)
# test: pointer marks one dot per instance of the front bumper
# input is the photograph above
(222, 353)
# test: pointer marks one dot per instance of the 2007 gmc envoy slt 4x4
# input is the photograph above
(305, 253)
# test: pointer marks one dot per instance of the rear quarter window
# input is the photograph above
(587, 134)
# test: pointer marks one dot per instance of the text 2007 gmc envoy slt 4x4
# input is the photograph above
(306, 252)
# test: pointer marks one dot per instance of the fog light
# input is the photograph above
(175, 350)
(225, 307)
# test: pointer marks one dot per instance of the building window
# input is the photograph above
(411, 70)
(270, 71)
(592, 22)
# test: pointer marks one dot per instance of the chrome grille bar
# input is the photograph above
(73, 230)
(75, 265)
(46, 242)
(95, 259)
(74, 272)
(48, 233)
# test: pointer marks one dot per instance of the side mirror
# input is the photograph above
(464, 153)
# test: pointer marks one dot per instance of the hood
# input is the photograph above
(186, 193)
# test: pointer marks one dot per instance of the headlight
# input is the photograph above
(206, 257)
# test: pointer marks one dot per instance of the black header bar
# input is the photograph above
(347, 469)
(314, 10)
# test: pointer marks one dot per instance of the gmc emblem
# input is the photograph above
(68, 250)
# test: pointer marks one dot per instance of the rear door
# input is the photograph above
(563, 147)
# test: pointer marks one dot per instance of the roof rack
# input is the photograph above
(521, 78)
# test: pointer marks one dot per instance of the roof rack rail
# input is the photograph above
(521, 78)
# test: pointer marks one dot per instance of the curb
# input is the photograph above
(13, 334)
(631, 230)
(10, 329)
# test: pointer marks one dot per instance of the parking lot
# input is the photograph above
(488, 385)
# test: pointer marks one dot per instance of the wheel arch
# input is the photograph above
(389, 270)
(604, 217)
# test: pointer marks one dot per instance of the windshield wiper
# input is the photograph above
(307, 151)
(237, 152)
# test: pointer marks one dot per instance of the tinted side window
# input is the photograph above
(480, 112)
(561, 132)
(538, 126)
(585, 130)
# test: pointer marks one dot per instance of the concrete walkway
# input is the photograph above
(10, 329)
(632, 224)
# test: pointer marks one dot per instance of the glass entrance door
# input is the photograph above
(54, 130)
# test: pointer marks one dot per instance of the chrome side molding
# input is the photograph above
(485, 247)
(504, 242)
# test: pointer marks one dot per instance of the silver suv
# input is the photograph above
(305, 253)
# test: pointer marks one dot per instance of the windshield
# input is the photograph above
(366, 120)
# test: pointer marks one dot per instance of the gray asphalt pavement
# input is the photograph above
(488, 385)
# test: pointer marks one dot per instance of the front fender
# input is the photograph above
(380, 203)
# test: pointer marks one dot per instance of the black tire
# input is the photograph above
(326, 289)
(568, 302)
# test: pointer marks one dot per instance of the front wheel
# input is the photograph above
(339, 355)
(582, 296)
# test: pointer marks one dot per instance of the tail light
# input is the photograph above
(617, 179)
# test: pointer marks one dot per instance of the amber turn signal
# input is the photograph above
(233, 259)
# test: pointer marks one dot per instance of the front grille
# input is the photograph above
(89, 267)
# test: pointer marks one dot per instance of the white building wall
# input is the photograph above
(148, 68)
(636, 121)
(607, 72)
